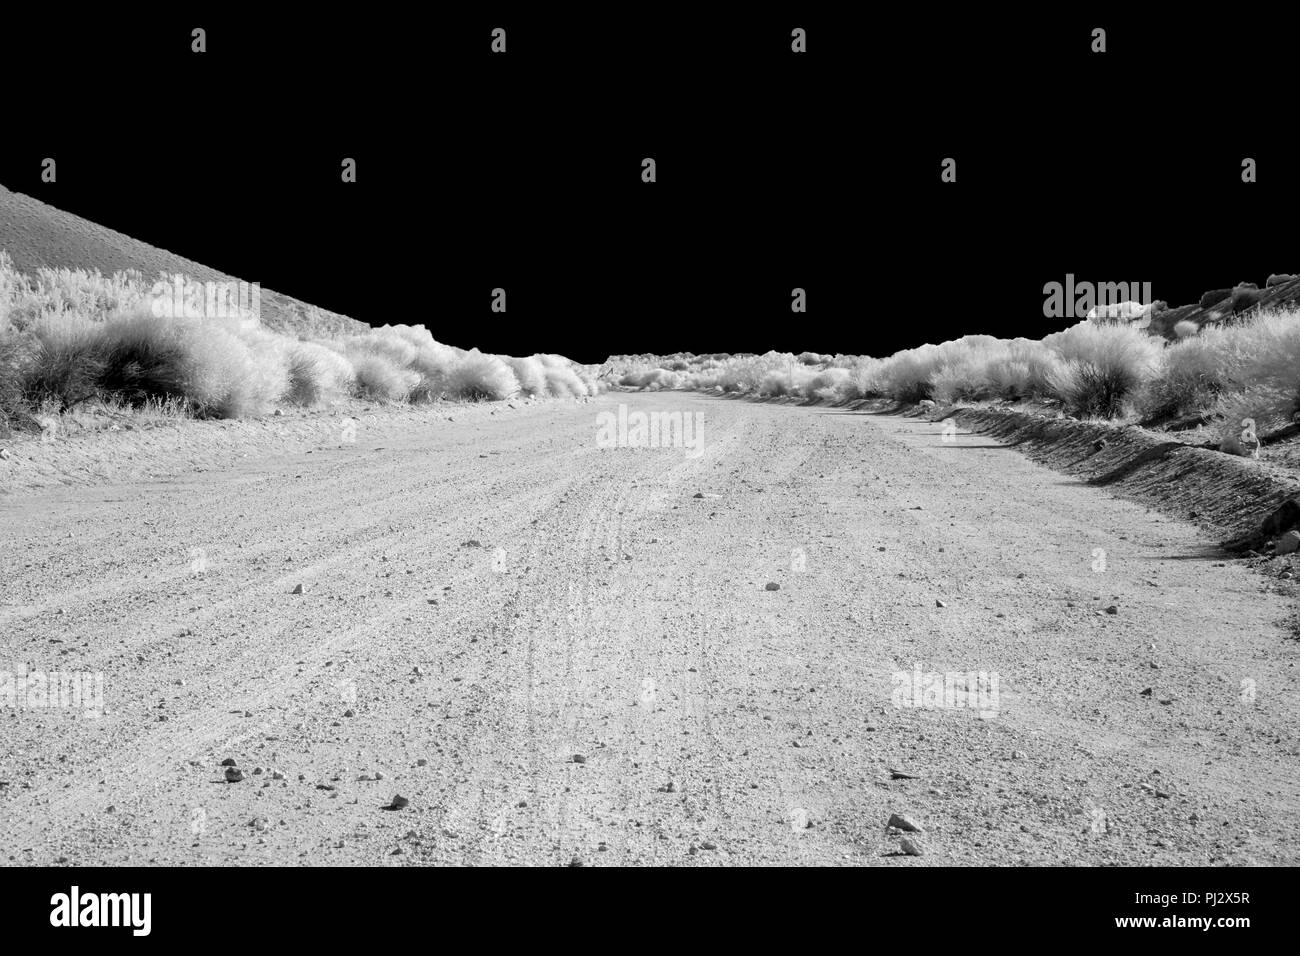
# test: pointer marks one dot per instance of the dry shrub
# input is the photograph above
(380, 378)
(563, 382)
(530, 374)
(1103, 366)
(481, 378)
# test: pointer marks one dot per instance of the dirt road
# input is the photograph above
(561, 652)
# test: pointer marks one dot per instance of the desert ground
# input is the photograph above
(563, 654)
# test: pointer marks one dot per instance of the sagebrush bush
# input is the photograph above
(65, 363)
(149, 357)
(1192, 373)
(379, 377)
(1022, 370)
(775, 384)
(1103, 366)
(51, 293)
(11, 283)
(396, 348)
(15, 351)
(748, 373)
(864, 379)
(1257, 409)
(434, 365)
(563, 382)
(481, 378)
(906, 375)
(317, 374)
(959, 382)
(657, 379)
(416, 335)
(203, 362)
(830, 384)
(530, 374)
(1265, 363)
(639, 378)
(263, 381)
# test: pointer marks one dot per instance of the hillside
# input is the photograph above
(1280, 296)
(36, 235)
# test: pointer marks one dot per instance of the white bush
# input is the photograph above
(1103, 366)
(481, 378)
(562, 381)
(530, 373)
(317, 374)
(151, 357)
(379, 377)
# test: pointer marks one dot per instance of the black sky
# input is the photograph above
(774, 170)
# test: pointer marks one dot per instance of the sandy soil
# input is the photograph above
(562, 653)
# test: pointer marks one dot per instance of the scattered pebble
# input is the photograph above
(901, 821)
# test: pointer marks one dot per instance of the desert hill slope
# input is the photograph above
(36, 234)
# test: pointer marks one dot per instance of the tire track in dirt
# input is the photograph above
(916, 552)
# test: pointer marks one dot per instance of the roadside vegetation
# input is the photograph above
(72, 340)
(1218, 375)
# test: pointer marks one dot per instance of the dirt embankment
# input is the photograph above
(1245, 502)
(1229, 496)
